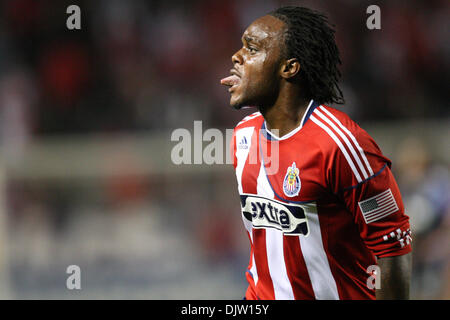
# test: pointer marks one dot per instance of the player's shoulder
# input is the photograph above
(334, 129)
(342, 140)
(336, 120)
(346, 146)
(251, 120)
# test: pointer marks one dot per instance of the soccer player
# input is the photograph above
(330, 222)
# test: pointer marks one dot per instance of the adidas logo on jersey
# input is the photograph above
(243, 145)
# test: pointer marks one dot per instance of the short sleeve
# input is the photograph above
(363, 180)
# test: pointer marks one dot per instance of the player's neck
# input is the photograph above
(286, 113)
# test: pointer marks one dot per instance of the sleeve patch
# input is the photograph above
(403, 237)
(378, 207)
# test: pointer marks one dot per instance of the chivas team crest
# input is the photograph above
(291, 183)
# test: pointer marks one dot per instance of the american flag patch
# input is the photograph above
(378, 207)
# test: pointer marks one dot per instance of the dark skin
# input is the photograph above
(395, 278)
(266, 76)
(263, 76)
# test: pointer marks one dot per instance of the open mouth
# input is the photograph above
(231, 81)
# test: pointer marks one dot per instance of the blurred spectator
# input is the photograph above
(131, 59)
(425, 186)
(18, 97)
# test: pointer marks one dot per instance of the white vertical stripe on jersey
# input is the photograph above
(361, 151)
(249, 227)
(274, 247)
(338, 142)
(316, 261)
(242, 154)
(253, 270)
(347, 142)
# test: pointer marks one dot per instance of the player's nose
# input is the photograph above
(237, 57)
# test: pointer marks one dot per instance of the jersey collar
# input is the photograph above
(270, 136)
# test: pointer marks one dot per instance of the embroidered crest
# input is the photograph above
(291, 183)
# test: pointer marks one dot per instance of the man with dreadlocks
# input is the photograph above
(329, 223)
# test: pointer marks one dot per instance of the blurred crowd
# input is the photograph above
(425, 187)
(153, 66)
(156, 64)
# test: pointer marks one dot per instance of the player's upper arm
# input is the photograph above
(363, 180)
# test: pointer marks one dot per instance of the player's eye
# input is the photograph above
(252, 49)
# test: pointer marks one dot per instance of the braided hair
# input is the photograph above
(310, 39)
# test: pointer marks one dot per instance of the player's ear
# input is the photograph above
(290, 68)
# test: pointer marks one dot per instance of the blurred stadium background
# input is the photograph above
(85, 123)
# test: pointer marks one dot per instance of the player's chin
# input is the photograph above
(237, 102)
(236, 106)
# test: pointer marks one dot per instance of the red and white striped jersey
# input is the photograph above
(319, 205)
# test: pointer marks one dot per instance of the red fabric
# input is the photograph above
(327, 180)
